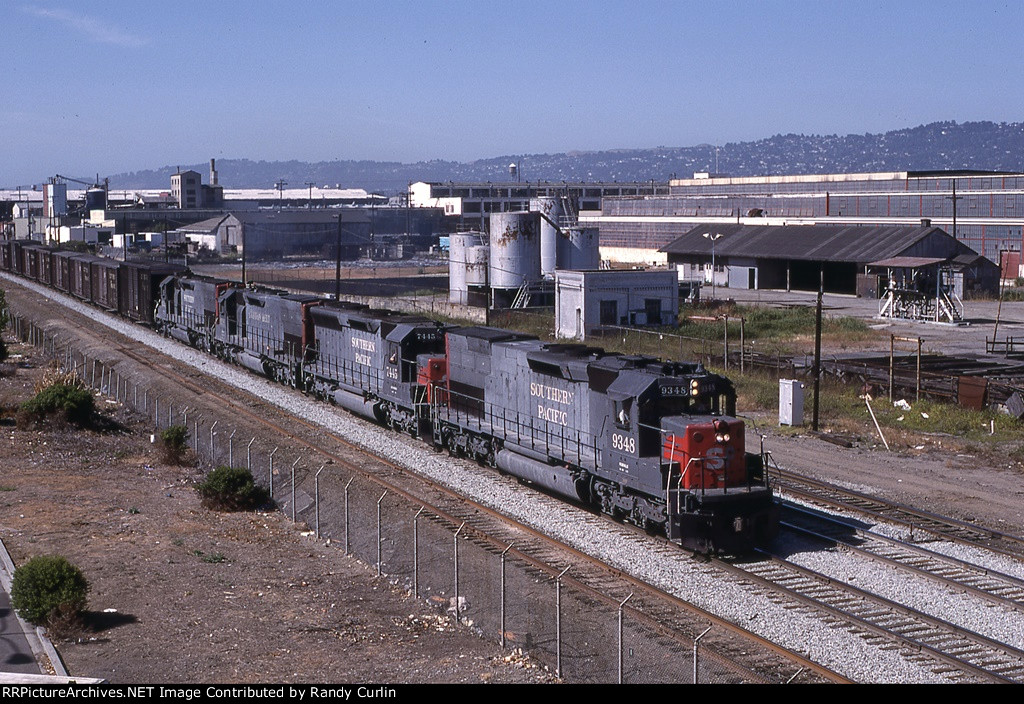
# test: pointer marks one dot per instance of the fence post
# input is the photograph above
(213, 446)
(293, 487)
(248, 455)
(502, 615)
(156, 412)
(316, 497)
(272, 472)
(456, 539)
(416, 554)
(195, 435)
(696, 641)
(346, 513)
(621, 605)
(379, 531)
(231, 447)
(558, 623)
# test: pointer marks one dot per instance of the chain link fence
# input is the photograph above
(578, 632)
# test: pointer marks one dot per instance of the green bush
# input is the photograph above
(71, 401)
(48, 586)
(175, 443)
(232, 489)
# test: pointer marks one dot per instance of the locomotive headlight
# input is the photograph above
(720, 438)
(725, 437)
(694, 387)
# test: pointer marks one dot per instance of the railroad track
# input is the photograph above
(985, 583)
(949, 650)
(920, 525)
(756, 658)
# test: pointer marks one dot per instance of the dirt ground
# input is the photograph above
(182, 594)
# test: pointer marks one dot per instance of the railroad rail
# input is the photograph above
(984, 583)
(948, 648)
(916, 521)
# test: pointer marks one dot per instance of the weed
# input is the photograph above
(232, 489)
(174, 441)
(66, 398)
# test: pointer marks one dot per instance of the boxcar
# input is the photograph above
(105, 283)
(62, 270)
(81, 276)
(46, 261)
(139, 288)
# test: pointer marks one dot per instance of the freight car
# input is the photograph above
(651, 442)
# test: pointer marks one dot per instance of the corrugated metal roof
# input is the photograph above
(853, 243)
(908, 262)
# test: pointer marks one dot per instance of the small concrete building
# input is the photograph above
(588, 300)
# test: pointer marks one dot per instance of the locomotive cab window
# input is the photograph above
(621, 411)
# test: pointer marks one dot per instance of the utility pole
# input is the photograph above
(337, 265)
(280, 191)
(817, 350)
(955, 198)
(310, 204)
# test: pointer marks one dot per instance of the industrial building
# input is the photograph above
(982, 209)
(278, 233)
(796, 257)
(471, 203)
(586, 301)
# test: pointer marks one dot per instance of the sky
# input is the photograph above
(102, 88)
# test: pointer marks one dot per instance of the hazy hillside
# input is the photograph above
(939, 145)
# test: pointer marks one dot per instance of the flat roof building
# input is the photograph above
(983, 209)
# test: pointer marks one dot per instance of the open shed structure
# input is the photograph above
(798, 257)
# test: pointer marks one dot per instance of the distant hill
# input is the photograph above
(939, 145)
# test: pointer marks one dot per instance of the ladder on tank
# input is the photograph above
(522, 298)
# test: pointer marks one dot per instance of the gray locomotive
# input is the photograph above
(655, 443)
(650, 442)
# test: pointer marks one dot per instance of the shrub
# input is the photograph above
(69, 400)
(48, 586)
(232, 489)
(174, 441)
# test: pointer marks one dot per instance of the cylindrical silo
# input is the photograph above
(578, 249)
(95, 199)
(458, 246)
(551, 210)
(477, 258)
(515, 249)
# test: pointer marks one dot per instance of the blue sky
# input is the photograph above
(118, 86)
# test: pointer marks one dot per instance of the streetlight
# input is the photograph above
(712, 237)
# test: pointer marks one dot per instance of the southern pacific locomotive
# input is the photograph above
(650, 442)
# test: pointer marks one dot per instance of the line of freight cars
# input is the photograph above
(650, 442)
(127, 288)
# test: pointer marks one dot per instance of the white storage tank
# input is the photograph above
(515, 249)
(551, 208)
(477, 258)
(458, 262)
(578, 249)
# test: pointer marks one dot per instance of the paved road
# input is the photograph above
(969, 339)
(15, 651)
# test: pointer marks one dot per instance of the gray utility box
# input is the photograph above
(791, 402)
